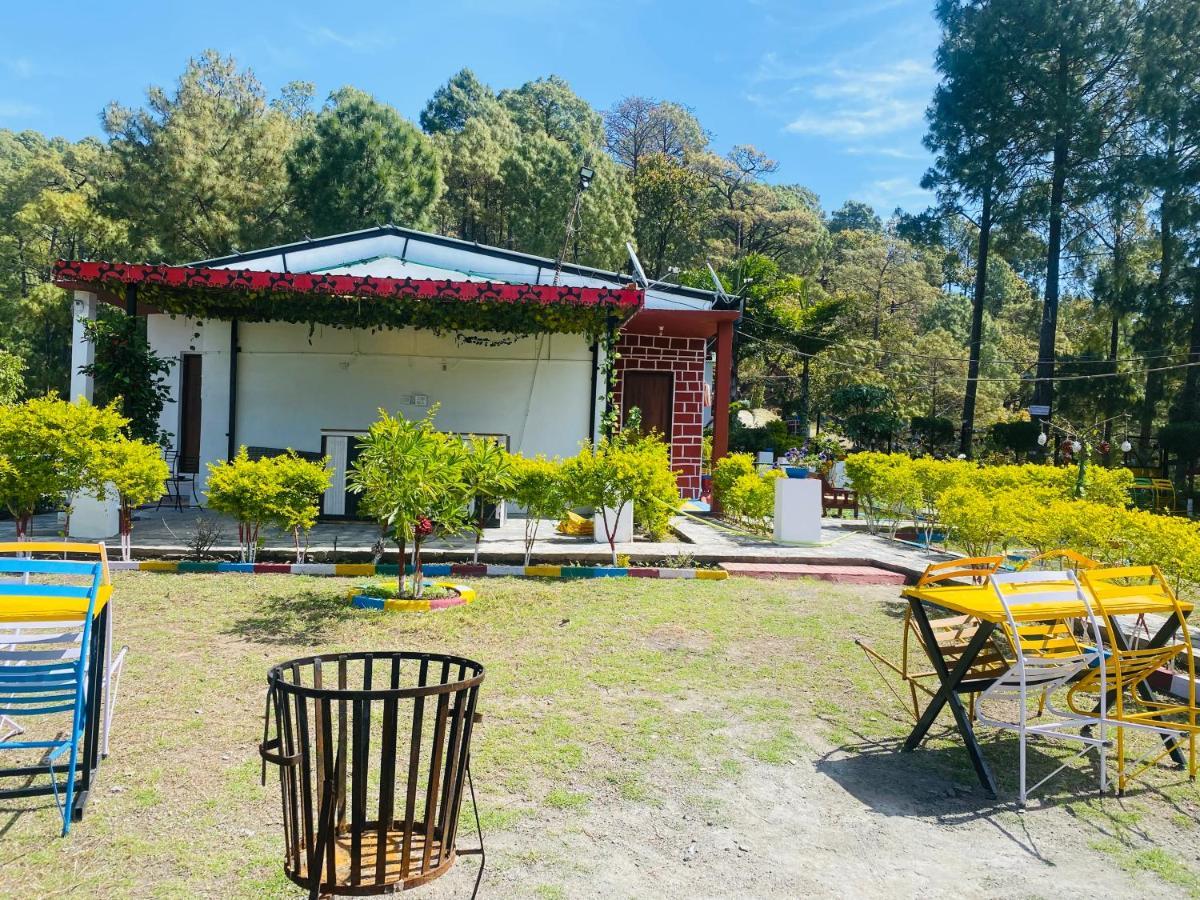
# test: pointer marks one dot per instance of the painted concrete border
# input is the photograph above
(430, 570)
(464, 594)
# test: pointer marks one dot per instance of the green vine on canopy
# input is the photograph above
(438, 315)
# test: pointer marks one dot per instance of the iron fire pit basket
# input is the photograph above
(373, 751)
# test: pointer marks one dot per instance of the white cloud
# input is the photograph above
(889, 152)
(19, 67)
(852, 103)
(11, 109)
(888, 193)
(357, 43)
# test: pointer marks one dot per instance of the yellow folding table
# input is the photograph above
(979, 600)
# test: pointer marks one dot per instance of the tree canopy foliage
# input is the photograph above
(1059, 263)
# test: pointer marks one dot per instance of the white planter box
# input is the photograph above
(624, 525)
(94, 519)
(798, 510)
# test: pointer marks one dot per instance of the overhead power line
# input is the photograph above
(1009, 378)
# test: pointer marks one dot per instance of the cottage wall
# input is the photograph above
(684, 358)
(291, 385)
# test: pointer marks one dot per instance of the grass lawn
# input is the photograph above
(640, 739)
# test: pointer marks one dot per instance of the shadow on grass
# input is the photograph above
(294, 619)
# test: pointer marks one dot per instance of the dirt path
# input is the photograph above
(836, 825)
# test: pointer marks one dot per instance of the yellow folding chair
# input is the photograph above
(1067, 558)
(953, 634)
(1133, 705)
(1164, 493)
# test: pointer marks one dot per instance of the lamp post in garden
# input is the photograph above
(586, 174)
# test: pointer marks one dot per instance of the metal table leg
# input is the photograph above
(947, 693)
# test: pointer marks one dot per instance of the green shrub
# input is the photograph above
(138, 473)
(932, 432)
(281, 490)
(980, 521)
(51, 450)
(751, 499)
(655, 487)
(538, 487)
(245, 489)
(871, 474)
(489, 478)
(729, 469)
(411, 480)
(301, 483)
(1017, 437)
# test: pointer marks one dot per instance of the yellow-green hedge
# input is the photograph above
(990, 509)
(745, 496)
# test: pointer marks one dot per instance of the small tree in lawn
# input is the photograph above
(443, 502)
(137, 473)
(247, 490)
(301, 483)
(407, 473)
(539, 489)
(489, 478)
(50, 450)
(603, 476)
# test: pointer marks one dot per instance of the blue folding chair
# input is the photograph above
(45, 637)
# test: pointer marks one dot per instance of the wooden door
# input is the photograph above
(189, 413)
(652, 393)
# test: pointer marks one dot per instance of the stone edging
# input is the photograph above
(463, 594)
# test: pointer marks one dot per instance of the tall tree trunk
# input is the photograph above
(1162, 296)
(1189, 404)
(1043, 393)
(968, 414)
(1114, 340)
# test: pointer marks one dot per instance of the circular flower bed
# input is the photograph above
(435, 595)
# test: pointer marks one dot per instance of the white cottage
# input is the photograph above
(299, 346)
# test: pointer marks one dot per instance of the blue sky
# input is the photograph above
(834, 91)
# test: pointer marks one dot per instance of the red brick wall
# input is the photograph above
(684, 357)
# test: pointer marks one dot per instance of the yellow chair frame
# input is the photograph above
(1128, 670)
(953, 634)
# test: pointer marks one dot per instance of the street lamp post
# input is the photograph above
(586, 174)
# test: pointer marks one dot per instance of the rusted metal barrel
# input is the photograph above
(373, 751)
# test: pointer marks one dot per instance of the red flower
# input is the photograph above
(424, 527)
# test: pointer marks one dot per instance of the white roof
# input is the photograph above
(392, 252)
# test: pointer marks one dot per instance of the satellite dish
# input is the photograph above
(637, 265)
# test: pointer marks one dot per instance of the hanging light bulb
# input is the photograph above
(1126, 446)
(1076, 446)
(1041, 439)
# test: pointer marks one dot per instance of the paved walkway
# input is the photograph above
(169, 534)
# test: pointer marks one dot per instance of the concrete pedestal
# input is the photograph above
(94, 519)
(798, 510)
(624, 525)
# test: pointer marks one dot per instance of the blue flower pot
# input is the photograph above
(796, 471)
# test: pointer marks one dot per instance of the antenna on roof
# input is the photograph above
(637, 265)
(720, 288)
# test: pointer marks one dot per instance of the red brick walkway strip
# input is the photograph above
(839, 574)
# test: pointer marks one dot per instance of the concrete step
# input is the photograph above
(839, 574)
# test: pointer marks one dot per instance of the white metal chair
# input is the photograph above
(1023, 595)
(68, 645)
